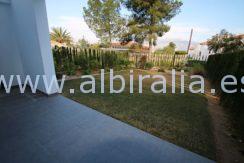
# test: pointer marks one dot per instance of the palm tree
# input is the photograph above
(215, 44)
(61, 35)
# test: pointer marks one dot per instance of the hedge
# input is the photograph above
(181, 52)
(68, 60)
(191, 63)
(217, 67)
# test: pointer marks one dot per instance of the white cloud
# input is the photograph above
(77, 27)
(182, 33)
(178, 32)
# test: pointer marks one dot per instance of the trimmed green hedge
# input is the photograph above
(217, 67)
(69, 60)
(181, 52)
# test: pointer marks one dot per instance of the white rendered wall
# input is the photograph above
(24, 41)
(44, 37)
(10, 60)
(200, 53)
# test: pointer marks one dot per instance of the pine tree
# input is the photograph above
(83, 43)
(148, 19)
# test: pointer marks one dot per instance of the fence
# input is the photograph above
(68, 60)
(159, 59)
(200, 58)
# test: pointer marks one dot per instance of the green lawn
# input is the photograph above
(182, 119)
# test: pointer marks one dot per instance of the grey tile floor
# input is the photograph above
(55, 129)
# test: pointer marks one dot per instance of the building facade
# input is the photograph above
(25, 42)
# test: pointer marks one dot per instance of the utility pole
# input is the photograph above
(189, 45)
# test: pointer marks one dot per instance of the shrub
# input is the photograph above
(81, 62)
(161, 69)
(94, 64)
(68, 60)
(142, 62)
(124, 63)
(179, 66)
(217, 67)
(149, 65)
(165, 65)
(198, 69)
(87, 72)
(190, 63)
(69, 68)
(180, 52)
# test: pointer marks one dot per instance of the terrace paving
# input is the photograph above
(40, 128)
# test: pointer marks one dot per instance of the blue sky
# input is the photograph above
(206, 17)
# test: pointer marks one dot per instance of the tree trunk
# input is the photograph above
(110, 40)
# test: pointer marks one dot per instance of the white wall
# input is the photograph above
(200, 53)
(44, 37)
(27, 40)
(10, 61)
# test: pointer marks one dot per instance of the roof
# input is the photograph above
(204, 43)
(240, 36)
(236, 36)
(54, 43)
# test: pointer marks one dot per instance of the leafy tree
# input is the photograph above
(95, 46)
(169, 49)
(136, 47)
(148, 19)
(60, 35)
(225, 42)
(83, 43)
(103, 17)
(172, 45)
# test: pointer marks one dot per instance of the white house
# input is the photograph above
(24, 40)
(199, 52)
